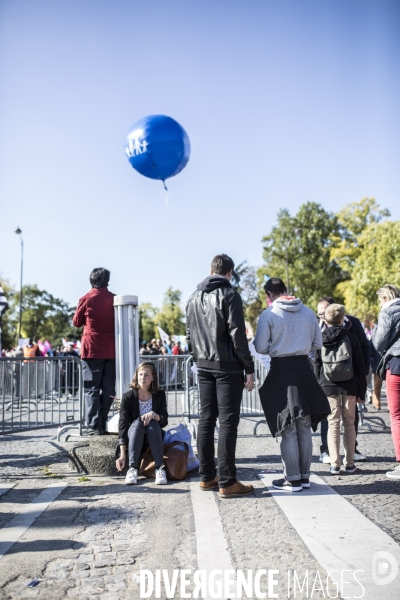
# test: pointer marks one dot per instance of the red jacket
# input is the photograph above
(96, 312)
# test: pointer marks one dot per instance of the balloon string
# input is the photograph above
(165, 187)
(166, 196)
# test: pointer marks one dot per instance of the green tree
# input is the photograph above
(244, 281)
(43, 316)
(46, 317)
(147, 321)
(171, 317)
(376, 264)
(298, 250)
(353, 219)
(10, 317)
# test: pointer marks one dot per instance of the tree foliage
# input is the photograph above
(376, 263)
(298, 250)
(147, 322)
(8, 334)
(353, 219)
(244, 281)
(171, 317)
(43, 317)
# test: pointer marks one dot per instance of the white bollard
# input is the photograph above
(126, 341)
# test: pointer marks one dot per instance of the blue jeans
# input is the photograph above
(296, 449)
(138, 435)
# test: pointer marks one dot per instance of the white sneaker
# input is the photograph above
(394, 474)
(359, 457)
(131, 476)
(161, 476)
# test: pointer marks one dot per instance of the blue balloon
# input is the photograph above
(157, 147)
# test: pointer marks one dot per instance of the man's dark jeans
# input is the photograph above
(220, 397)
(324, 432)
(99, 386)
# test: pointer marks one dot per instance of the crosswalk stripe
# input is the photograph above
(21, 522)
(341, 539)
(212, 547)
(4, 487)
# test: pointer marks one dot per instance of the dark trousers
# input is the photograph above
(220, 397)
(324, 432)
(141, 436)
(99, 386)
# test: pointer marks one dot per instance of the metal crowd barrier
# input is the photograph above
(176, 377)
(40, 392)
(48, 391)
(180, 383)
(173, 378)
(251, 405)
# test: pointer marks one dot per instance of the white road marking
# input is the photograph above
(21, 522)
(212, 547)
(4, 487)
(341, 538)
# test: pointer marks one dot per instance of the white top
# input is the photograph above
(146, 406)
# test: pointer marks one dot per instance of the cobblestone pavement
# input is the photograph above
(97, 535)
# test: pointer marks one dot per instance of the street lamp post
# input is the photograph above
(18, 231)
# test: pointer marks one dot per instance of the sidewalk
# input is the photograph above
(95, 536)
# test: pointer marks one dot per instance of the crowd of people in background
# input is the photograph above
(372, 352)
(156, 347)
(33, 348)
(73, 348)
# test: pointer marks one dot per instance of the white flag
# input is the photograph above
(164, 336)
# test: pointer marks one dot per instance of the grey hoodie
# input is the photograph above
(287, 328)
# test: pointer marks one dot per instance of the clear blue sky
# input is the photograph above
(283, 101)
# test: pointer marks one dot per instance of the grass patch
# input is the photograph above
(83, 478)
(48, 473)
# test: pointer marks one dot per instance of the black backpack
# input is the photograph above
(337, 361)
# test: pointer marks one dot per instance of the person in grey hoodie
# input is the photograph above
(291, 397)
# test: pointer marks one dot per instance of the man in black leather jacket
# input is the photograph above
(216, 334)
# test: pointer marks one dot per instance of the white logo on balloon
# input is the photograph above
(135, 147)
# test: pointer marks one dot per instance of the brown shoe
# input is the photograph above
(236, 490)
(207, 486)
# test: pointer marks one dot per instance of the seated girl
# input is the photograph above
(143, 413)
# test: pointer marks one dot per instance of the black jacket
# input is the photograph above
(358, 330)
(129, 412)
(357, 385)
(215, 328)
(290, 391)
